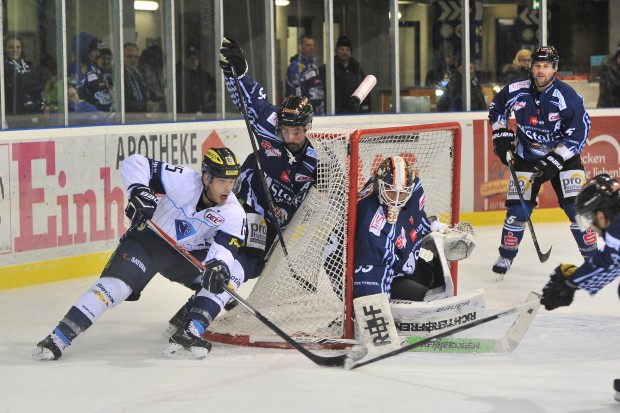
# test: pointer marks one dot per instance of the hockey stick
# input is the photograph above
(529, 307)
(542, 257)
(276, 223)
(506, 344)
(329, 361)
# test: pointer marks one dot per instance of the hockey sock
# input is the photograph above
(513, 231)
(203, 311)
(586, 241)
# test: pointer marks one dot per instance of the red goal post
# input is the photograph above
(310, 297)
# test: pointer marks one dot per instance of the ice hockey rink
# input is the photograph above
(566, 362)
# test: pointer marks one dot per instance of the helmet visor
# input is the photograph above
(584, 220)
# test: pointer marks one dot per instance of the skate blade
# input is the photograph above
(499, 277)
(617, 397)
(43, 354)
(177, 351)
(167, 333)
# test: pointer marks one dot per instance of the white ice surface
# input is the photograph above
(566, 362)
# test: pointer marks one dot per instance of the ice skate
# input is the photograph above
(617, 389)
(47, 349)
(187, 343)
(176, 321)
(501, 267)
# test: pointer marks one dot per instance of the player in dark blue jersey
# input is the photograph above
(552, 128)
(390, 230)
(598, 207)
(287, 158)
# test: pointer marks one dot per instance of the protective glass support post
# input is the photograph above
(466, 58)
(395, 56)
(270, 44)
(329, 61)
(220, 88)
(119, 73)
(542, 21)
(170, 55)
(2, 101)
(61, 50)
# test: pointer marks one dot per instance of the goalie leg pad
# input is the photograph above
(375, 323)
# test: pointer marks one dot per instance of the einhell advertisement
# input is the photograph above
(601, 154)
(64, 196)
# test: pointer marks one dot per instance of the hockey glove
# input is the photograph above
(141, 206)
(503, 142)
(231, 54)
(559, 291)
(547, 167)
(216, 275)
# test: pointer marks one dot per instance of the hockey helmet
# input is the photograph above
(546, 54)
(393, 184)
(295, 111)
(601, 193)
(220, 163)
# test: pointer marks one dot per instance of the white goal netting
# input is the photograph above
(308, 294)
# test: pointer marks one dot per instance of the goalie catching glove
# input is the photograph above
(459, 240)
(215, 276)
(141, 206)
(559, 291)
(232, 55)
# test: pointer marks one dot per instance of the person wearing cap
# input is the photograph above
(302, 75)
(105, 62)
(609, 86)
(86, 73)
(552, 129)
(195, 87)
(348, 74)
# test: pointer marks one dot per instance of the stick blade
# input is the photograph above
(544, 257)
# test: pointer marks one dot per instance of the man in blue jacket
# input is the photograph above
(552, 128)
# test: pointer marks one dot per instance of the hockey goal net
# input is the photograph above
(309, 294)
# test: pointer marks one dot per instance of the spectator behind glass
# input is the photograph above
(519, 69)
(609, 86)
(348, 74)
(151, 66)
(302, 75)
(82, 112)
(452, 99)
(195, 87)
(23, 83)
(84, 72)
(105, 62)
(443, 66)
(137, 97)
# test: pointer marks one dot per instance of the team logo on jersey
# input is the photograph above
(284, 177)
(214, 218)
(589, 237)
(518, 106)
(554, 116)
(183, 229)
(401, 241)
(518, 85)
(413, 235)
(533, 120)
(422, 201)
(302, 178)
(378, 222)
(270, 150)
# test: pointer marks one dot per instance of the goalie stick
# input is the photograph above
(327, 361)
(530, 308)
(303, 282)
(506, 344)
(542, 257)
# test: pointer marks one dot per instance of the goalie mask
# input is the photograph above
(394, 181)
(601, 193)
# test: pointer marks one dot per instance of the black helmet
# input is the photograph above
(220, 163)
(601, 193)
(546, 54)
(295, 111)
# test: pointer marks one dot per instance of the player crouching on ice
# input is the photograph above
(598, 207)
(200, 213)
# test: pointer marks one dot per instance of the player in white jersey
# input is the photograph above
(199, 212)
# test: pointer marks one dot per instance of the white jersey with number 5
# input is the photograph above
(219, 229)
